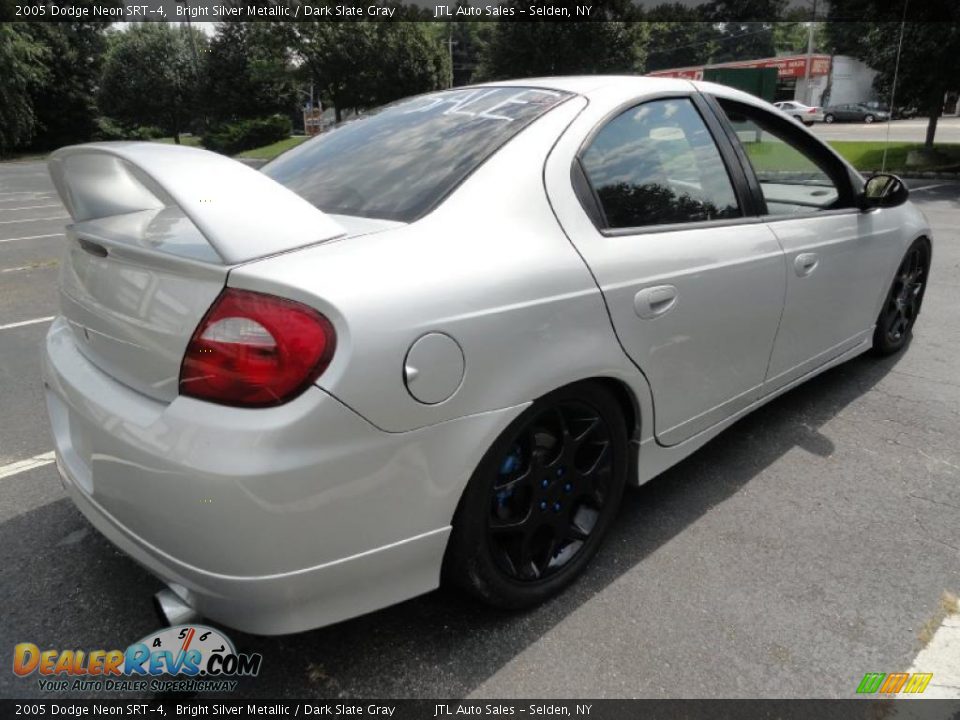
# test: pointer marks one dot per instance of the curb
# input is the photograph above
(931, 176)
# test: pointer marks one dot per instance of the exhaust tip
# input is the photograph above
(172, 610)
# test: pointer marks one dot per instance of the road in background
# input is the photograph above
(948, 130)
(806, 545)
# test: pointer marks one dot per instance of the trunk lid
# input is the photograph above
(156, 231)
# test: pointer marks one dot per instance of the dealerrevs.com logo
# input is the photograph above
(200, 658)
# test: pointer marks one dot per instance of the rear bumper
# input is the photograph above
(270, 521)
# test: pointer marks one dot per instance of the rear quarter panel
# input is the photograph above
(490, 267)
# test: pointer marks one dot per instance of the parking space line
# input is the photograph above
(32, 237)
(26, 220)
(30, 207)
(28, 464)
(26, 192)
(35, 266)
(929, 187)
(24, 323)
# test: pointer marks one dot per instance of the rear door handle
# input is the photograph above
(806, 263)
(92, 247)
(654, 302)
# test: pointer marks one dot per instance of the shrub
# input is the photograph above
(232, 138)
(107, 129)
(146, 132)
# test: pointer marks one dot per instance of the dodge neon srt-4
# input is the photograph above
(437, 342)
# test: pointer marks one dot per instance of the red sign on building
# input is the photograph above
(792, 66)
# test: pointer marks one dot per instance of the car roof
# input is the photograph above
(591, 86)
(588, 85)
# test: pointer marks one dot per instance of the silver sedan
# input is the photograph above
(437, 342)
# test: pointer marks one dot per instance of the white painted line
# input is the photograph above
(26, 192)
(52, 217)
(941, 657)
(23, 323)
(30, 207)
(28, 464)
(930, 187)
(33, 237)
(41, 266)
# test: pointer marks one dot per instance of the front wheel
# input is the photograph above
(541, 500)
(902, 304)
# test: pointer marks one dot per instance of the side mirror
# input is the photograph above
(882, 191)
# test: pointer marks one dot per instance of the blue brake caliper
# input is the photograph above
(510, 464)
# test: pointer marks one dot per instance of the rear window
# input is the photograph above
(398, 162)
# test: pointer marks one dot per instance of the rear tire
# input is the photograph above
(868, 119)
(544, 495)
(828, 118)
(901, 307)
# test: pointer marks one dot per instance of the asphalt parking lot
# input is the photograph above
(807, 545)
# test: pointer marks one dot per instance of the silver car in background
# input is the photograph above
(439, 341)
(806, 114)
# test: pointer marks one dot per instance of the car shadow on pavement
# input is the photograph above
(64, 585)
(445, 645)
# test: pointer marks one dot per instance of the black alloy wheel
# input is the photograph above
(902, 305)
(542, 498)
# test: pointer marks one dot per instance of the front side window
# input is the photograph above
(658, 164)
(399, 161)
(793, 179)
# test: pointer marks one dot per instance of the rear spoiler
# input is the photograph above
(241, 212)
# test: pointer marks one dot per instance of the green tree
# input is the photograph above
(679, 37)
(526, 49)
(929, 56)
(65, 104)
(469, 39)
(150, 77)
(363, 64)
(22, 60)
(750, 32)
(248, 72)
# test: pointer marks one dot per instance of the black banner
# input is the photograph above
(447, 11)
(854, 709)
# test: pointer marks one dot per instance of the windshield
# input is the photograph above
(398, 162)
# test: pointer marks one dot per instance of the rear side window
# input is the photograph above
(657, 164)
(795, 175)
(401, 160)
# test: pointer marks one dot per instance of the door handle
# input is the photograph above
(654, 302)
(806, 263)
(93, 248)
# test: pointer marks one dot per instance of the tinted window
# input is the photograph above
(657, 163)
(399, 161)
(793, 179)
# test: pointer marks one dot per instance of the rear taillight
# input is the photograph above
(256, 350)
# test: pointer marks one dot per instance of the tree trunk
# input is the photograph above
(337, 112)
(936, 104)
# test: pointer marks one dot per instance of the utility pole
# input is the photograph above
(811, 28)
(450, 44)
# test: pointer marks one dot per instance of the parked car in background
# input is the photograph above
(854, 112)
(801, 113)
